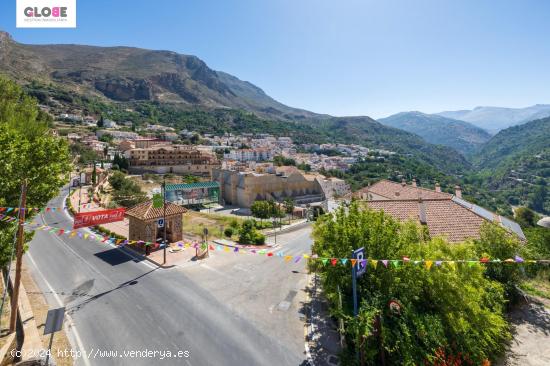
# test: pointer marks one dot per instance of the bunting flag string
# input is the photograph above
(4, 209)
(371, 263)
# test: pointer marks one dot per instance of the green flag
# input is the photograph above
(158, 200)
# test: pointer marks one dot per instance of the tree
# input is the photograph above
(94, 175)
(289, 207)
(260, 209)
(249, 235)
(100, 122)
(525, 217)
(445, 310)
(28, 151)
(126, 192)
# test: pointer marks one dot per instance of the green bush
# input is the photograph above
(249, 235)
(446, 311)
(228, 232)
(259, 239)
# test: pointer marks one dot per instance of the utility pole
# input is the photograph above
(18, 256)
(164, 207)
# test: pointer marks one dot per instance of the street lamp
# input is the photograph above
(275, 229)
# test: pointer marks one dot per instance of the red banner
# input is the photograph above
(84, 219)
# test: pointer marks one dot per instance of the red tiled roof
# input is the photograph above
(443, 217)
(146, 211)
(399, 191)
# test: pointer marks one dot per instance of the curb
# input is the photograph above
(128, 250)
(136, 254)
(308, 330)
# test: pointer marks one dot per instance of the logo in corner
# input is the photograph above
(46, 14)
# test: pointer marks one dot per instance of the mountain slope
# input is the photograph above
(181, 90)
(494, 119)
(130, 74)
(515, 165)
(460, 135)
(508, 144)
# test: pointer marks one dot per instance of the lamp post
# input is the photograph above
(275, 230)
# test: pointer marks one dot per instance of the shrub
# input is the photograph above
(228, 232)
(446, 311)
(259, 239)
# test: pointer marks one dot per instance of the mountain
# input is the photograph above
(165, 87)
(132, 74)
(515, 165)
(462, 136)
(494, 119)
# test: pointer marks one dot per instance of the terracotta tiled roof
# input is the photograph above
(443, 217)
(146, 211)
(399, 191)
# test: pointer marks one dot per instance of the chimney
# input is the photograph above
(403, 182)
(437, 187)
(458, 191)
(414, 182)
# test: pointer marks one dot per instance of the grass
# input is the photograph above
(195, 222)
(538, 286)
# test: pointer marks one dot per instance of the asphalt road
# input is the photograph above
(230, 310)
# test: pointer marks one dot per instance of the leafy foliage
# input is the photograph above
(126, 192)
(28, 152)
(454, 311)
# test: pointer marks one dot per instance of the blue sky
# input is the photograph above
(345, 57)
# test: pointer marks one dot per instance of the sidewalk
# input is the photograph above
(294, 226)
(322, 337)
(120, 227)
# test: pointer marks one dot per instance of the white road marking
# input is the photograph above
(68, 319)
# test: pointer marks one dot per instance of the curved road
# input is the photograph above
(118, 303)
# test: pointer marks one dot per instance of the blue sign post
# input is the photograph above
(357, 271)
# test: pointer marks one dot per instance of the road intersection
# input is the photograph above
(230, 310)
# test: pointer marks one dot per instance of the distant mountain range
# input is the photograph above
(494, 119)
(435, 129)
(515, 165)
(181, 90)
(128, 74)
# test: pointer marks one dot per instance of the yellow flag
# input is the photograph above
(428, 264)
(86, 236)
(374, 263)
(452, 265)
(226, 249)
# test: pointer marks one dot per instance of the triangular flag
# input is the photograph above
(210, 247)
(297, 258)
(395, 263)
(428, 264)
(353, 261)
(406, 259)
(385, 262)
(333, 261)
(344, 261)
(236, 249)
(438, 263)
(374, 263)
(60, 232)
(324, 260)
(452, 265)
(472, 263)
(226, 249)
(270, 254)
(518, 259)
(287, 258)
